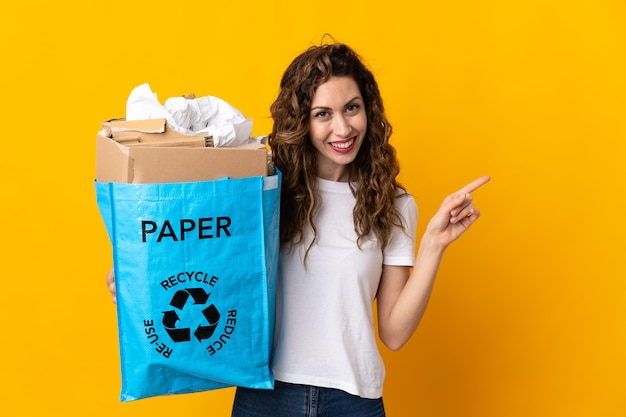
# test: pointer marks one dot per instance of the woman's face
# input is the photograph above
(337, 126)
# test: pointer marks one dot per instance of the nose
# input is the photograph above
(341, 126)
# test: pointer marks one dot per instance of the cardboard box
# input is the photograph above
(147, 152)
(144, 131)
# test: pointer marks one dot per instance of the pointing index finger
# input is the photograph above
(475, 184)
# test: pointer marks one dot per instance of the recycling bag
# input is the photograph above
(195, 268)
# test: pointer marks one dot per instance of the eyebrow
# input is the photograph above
(355, 98)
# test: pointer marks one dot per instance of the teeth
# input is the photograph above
(343, 145)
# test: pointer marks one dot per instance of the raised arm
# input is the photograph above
(403, 294)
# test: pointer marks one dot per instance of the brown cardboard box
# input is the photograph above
(149, 130)
(146, 152)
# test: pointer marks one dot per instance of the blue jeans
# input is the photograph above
(291, 400)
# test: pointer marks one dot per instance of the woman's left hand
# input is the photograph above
(456, 214)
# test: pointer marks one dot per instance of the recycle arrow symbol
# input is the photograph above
(169, 321)
(181, 296)
(179, 300)
(213, 317)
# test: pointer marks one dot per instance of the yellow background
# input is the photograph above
(528, 315)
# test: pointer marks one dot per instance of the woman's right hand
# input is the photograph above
(111, 284)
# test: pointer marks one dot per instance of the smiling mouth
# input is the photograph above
(343, 145)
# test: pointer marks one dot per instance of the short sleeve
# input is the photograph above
(400, 250)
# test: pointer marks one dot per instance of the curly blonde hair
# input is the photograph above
(372, 174)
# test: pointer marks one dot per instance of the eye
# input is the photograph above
(352, 108)
(321, 114)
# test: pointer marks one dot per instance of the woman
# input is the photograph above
(347, 239)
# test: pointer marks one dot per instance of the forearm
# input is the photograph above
(399, 324)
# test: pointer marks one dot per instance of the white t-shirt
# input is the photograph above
(325, 330)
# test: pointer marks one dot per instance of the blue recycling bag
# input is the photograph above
(195, 270)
